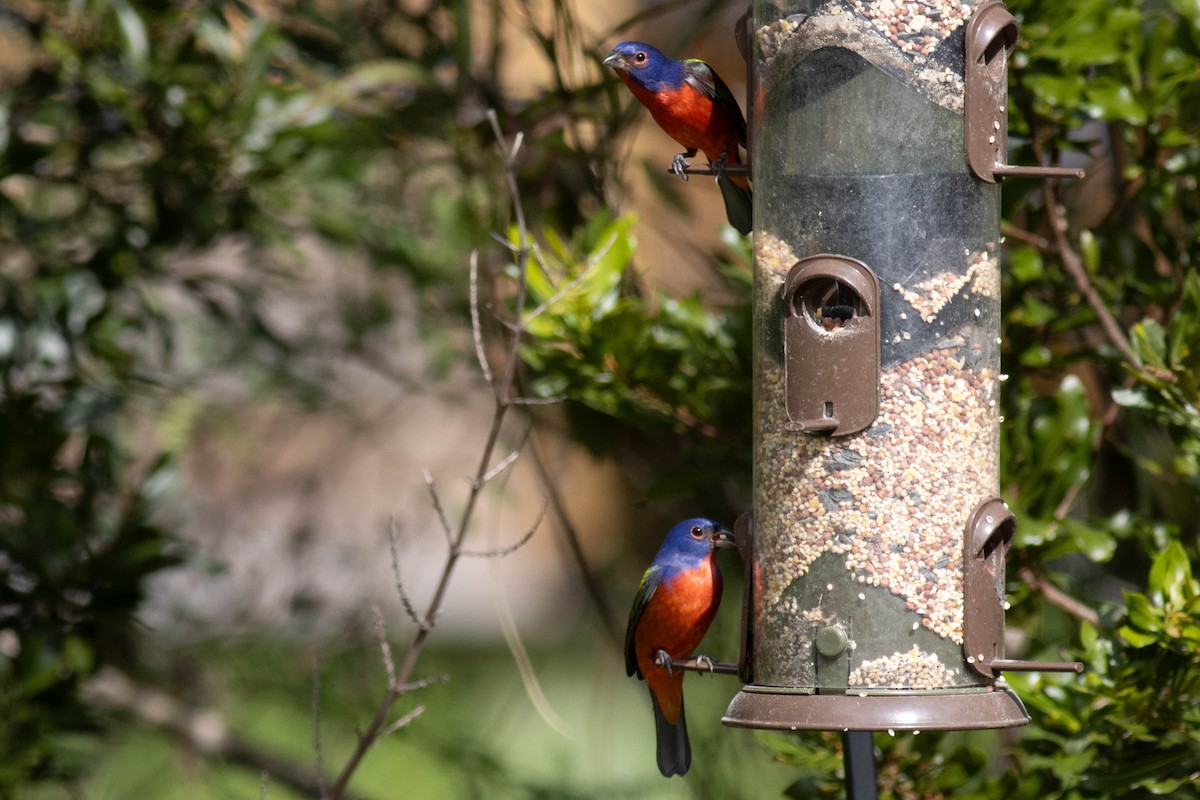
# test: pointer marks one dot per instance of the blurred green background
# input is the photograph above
(235, 328)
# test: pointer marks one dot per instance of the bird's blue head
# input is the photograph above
(646, 66)
(690, 542)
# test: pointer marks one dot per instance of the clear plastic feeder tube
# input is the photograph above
(858, 152)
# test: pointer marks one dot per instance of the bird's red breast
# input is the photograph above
(675, 620)
(690, 118)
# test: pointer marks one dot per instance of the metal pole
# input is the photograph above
(858, 752)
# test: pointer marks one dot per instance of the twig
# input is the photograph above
(1057, 597)
(501, 391)
(1022, 235)
(476, 328)
(571, 538)
(403, 721)
(405, 600)
(437, 504)
(388, 665)
(536, 401)
(1073, 264)
(512, 548)
(266, 785)
(503, 465)
(405, 688)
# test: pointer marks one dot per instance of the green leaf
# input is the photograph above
(1171, 576)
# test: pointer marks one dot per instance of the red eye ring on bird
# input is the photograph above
(697, 532)
(640, 57)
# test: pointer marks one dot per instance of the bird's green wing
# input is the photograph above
(651, 580)
(704, 79)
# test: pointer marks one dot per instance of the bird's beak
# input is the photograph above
(723, 537)
(615, 60)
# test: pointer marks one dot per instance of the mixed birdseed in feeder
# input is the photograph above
(898, 36)
(910, 669)
(891, 502)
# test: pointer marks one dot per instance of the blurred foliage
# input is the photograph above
(132, 132)
(632, 362)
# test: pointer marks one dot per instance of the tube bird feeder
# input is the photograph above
(876, 546)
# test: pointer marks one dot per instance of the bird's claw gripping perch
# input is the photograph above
(708, 663)
(663, 660)
(718, 166)
(680, 165)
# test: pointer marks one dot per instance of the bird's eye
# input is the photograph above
(640, 58)
(697, 532)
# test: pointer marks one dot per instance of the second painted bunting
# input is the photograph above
(674, 606)
(691, 103)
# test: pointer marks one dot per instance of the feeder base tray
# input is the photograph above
(779, 709)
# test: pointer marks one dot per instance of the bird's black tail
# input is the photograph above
(674, 750)
(739, 204)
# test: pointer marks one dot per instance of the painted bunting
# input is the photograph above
(691, 103)
(674, 606)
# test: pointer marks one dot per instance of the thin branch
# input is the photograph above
(1073, 264)
(381, 633)
(512, 548)
(476, 328)
(504, 242)
(405, 601)
(1057, 597)
(266, 785)
(501, 390)
(402, 722)
(405, 688)
(437, 504)
(1022, 235)
(504, 464)
(537, 401)
(570, 537)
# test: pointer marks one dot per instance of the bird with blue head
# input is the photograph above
(693, 106)
(675, 604)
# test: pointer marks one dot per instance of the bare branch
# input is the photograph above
(405, 688)
(381, 632)
(266, 785)
(536, 401)
(437, 504)
(422, 623)
(402, 722)
(476, 327)
(571, 538)
(512, 548)
(501, 389)
(503, 465)
(1073, 264)
(504, 242)
(1057, 597)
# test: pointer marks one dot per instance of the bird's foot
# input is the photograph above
(680, 165)
(662, 660)
(718, 166)
(705, 661)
